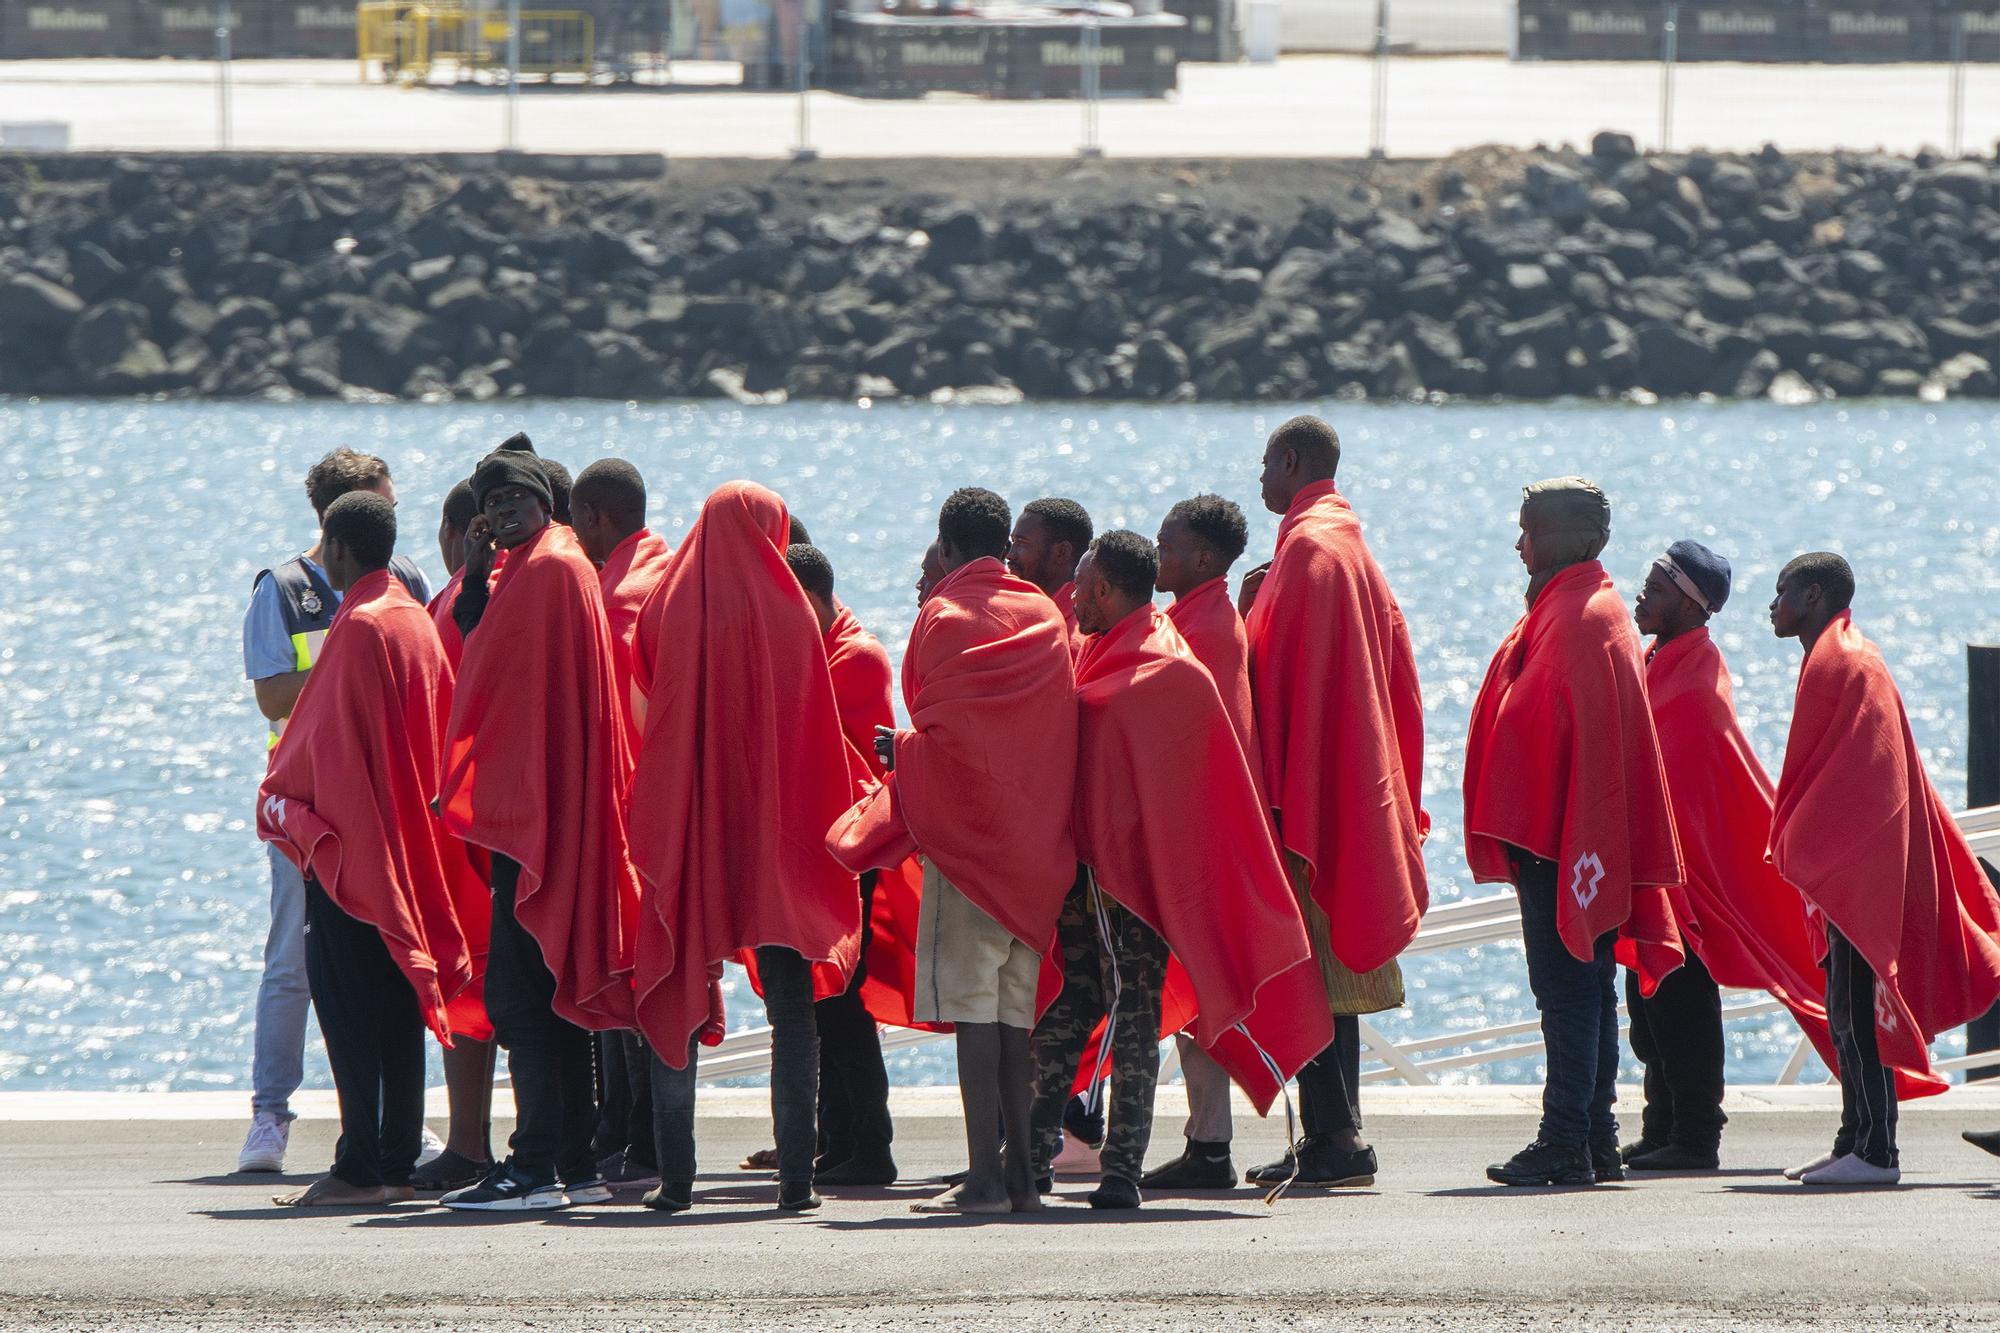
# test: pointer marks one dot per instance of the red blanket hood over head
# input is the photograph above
(536, 769)
(630, 574)
(1170, 823)
(985, 778)
(1340, 725)
(743, 769)
(1862, 834)
(348, 799)
(1562, 761)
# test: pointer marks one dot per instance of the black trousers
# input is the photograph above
(550, 1059)
(1677, 1036)
(1330, 1082)
(853, 1081)
(1867, 1087)
(374, 1040)
(624, 1098)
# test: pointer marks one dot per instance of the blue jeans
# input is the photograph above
(788, 1001)
(283, 996)
(1579, 1004)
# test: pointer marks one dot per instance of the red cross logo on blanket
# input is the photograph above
(1586, 894)
(1885, 1013)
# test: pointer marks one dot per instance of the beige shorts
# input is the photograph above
(970, 968)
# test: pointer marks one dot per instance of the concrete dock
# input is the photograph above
(1302, 106)
(119, 1212)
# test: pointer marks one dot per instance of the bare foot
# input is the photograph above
(1031, 1202)
(971, 1197)
(331, 1192)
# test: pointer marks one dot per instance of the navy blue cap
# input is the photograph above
(1707, 572)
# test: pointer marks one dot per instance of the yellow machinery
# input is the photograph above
(408, 42)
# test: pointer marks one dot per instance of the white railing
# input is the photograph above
(1464, 924)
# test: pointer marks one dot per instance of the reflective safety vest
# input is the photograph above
(309, 602)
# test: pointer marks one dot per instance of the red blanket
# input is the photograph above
(1735, 911)
(536, 768)
(1859, 829)
(630, 573)
(447, 628)
(1065, 600)
(985, 778)
(1170, 822)
(1340, 724)
(1562, 762)
(743, 770)
(1207, 621)
(348, 799)
(862, 679)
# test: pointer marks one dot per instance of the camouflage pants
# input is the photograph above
(1140, 957)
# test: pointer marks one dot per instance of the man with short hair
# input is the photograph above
(347, 799)
(1740, 920)
(1340, 731)
(1912, 926)
(1198, 542)
(854, 1126)
(536, 770)
(1178, 852)
(981, 784)
(608, 515)
(291, 608)
(457, 513)
(743, 770)
(1565, 799)
(1047, 541)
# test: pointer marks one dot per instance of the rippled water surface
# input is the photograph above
(132, 887)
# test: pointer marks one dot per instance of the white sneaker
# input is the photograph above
(1852, 1171)
(432, 1149)
(1823, 1160)
(264, 1147)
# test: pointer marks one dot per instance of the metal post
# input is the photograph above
(1378, 115)
(222, 117)
(513, 74)
(1982, 788)
(1670, 40)
(1957, 135)
(1092, 148)
(805, 152)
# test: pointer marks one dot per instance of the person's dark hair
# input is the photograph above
(340, 472)
(460, 506)
(560, 487)
(1317, 446)
(976, 522)
(799, 536)
(1128, 560)
(364, 523)
(1066, 520)
(1216, 523)
(812, 569)
(1826, 571)
(615, 486)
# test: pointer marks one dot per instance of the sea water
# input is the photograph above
(134, 893)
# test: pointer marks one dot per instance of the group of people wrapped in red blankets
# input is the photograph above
(547, 810)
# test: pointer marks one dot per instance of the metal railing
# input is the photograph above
(1467, 923)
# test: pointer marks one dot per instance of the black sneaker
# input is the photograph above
(1640, 1148)
(1324, 1166)
(868, 1167)
(507, 1188)
(448, 1171)
(1986, 1140)
(621, 1172)
(1606, 1163)
(1271, 1173)
(1192, 1171)
(1080, 1124)
(796, 1196)
(1543, 1163)
(670, 1196)
(1676, 1157)
(1114, 1192)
